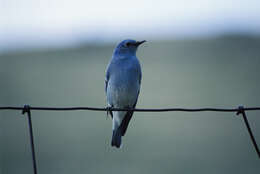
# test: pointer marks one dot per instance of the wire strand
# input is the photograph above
(129, 109)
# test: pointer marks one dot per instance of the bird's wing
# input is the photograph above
(107, 76)
(140, 78)
(106, 83)
(129, 114)
(106, 80)
(140, 73)
(127, 118)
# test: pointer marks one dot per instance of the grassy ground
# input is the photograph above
(193, 73)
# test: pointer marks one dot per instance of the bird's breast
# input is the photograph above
(124, 83)
(123, 94)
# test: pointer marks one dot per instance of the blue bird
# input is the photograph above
(122, 86)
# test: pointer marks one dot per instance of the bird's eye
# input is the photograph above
(127, 44)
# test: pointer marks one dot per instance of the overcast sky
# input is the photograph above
(65, 22)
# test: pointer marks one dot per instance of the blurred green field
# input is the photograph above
(221, 72)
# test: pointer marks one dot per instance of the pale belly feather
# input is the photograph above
(122, 96)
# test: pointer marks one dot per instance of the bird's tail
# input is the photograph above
(116, 137)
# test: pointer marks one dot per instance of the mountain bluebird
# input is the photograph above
(122, 86)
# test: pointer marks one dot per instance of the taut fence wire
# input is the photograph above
(27, 109)
(128, 109)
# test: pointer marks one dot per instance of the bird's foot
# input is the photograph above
(109, 112)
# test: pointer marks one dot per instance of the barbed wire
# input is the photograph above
(27, 109)
(136, 109)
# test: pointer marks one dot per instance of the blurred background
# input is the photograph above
(199, 54)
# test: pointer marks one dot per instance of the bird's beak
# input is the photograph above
(139, 42)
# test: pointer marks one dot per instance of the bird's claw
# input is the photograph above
(108, 108)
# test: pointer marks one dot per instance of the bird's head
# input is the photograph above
(127, 47)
